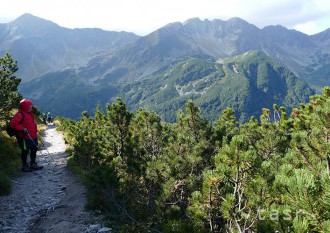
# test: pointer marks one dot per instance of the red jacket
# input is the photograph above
(28, 122)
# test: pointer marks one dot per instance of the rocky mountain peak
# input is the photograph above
(237, 21)
(195, 20)
(28, 24)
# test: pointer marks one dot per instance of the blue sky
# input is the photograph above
(145, 16)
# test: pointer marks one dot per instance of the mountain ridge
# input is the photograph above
(138, 58)
(219, 39)
(41, 46)
(214, 39)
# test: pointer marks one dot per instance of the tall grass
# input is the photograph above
(9, 162)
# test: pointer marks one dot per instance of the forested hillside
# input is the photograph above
(246, 83)
(270, 175)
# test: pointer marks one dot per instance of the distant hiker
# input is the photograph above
(49, 117)
(27, 136)
(44, 118)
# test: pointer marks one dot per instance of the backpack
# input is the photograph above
(10, 131)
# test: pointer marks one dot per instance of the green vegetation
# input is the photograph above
(245, 83)
(10, 160)
(270, 175)
(9, 100)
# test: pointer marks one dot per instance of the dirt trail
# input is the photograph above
(48, 200)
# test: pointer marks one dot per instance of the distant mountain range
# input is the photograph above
(41, 46)
(83, 67)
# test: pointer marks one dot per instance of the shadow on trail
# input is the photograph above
(51, 126)
(45, 145)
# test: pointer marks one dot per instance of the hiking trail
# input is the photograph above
(49, 200)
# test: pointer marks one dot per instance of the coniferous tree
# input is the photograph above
(261, 176)
(226, 127)
(81, 148)
(149, 141)
(189, 151)
(304, 179)
(9, 97)
(119, 135)
(232, 187)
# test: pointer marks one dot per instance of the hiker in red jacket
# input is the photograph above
(27, 136)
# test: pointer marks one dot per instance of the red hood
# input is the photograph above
(25, 104)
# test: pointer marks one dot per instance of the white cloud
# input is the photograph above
(144, 16)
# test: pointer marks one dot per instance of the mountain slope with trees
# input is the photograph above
(246, 83)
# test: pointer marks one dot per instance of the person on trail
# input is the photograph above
(49, 117)
(27, 135)
(44, 118)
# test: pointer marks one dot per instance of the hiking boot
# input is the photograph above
(26, 168)
(34, 166)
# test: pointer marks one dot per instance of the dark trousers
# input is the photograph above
(28, 145)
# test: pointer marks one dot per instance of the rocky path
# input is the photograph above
(48, 200)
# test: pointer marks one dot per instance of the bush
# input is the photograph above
(10, 160)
